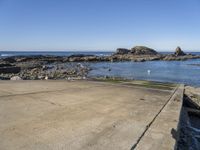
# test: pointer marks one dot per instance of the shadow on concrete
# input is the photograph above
(174, 133)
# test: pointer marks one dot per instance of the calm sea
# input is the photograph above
(166, 71)
(54, 53)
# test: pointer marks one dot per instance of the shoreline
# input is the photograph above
(44, 67)
(54, 67)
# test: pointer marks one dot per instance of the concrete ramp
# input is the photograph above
(63, 115)
(162, 132)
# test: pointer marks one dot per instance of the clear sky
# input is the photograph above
(99, 24)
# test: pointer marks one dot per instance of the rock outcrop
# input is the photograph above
(137, 50)
(122, 51)
(179, 52)
(142, 50)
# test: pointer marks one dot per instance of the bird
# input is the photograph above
(149, 72)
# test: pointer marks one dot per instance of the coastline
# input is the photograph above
(56, 67)
(81, 66)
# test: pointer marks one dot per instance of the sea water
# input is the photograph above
(164, 71)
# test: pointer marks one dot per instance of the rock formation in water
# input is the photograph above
(122, 51)
(179, 52)
(137, 50)
(143, 50)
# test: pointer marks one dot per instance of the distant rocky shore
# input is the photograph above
(74, 66)
(142, 53)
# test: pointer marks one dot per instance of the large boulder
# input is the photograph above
(122, 51)
(179, 52)
(142, 50)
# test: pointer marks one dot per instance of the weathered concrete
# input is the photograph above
(162, 133)
(45, 115)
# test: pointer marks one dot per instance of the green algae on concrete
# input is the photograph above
(140, 83)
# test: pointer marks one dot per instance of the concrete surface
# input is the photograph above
(162, 134)
(59, 115)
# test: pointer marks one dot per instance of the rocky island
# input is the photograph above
(142, 53)
(74, 66)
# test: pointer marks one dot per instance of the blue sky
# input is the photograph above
(99, 24)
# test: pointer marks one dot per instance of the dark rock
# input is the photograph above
(48, 58)
(122, 51)
(10, 69)
(142, 50)
(5, 65)
(4, 78)
(179, 52)
(9, 60)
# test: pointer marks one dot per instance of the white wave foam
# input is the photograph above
(5, 55)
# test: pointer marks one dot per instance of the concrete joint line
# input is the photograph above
(149, 125)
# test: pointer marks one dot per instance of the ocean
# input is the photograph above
(54, 53)
(165, 71)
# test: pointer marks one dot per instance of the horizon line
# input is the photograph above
(78, 50)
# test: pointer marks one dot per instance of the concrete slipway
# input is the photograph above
(59, 115)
